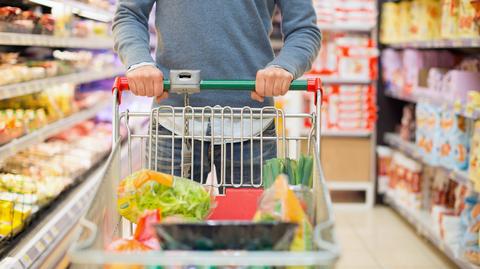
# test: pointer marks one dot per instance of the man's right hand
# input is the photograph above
(147, 81)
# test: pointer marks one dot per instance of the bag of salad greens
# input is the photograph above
(174, 196)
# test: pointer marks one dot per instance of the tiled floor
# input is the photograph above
(379, 238)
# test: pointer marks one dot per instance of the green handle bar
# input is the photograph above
(241, 85)
(312, 85)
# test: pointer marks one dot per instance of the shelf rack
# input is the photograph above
(38, 85)
(346, 27)
(45, 132)
(14, 39)
(413, 151)
(78, 8)
(422, 221)
(438, 44)
(462, 111)
(41, 241)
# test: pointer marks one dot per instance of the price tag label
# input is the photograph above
(26, 260)
(48, 238)
(54, 231)
(40, 246)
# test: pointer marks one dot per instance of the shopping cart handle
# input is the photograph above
(311, 85)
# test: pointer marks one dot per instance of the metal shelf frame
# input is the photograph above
(462, 111)
(14, 39)
(38, 85)
(438, 44)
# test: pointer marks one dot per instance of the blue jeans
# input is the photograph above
(251, 157)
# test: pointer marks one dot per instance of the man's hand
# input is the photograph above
(271, 81)
(147, 81)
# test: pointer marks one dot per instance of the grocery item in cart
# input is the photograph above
(279, 203)
(147, 189)
(226, 235)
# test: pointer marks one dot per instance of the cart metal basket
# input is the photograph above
(102, 224)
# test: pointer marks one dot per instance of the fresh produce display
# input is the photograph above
(36, 176)
(299, 173)
(279, 203)
(174, 196)
(15, 68)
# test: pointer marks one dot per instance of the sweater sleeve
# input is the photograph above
(302, 38)
(130, 31)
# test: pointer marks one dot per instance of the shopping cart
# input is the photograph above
(238, 197)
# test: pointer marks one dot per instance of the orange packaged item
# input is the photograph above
(280, 203)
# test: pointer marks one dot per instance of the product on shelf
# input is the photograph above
(349, 56)
(442, 136)
(474, 162)
(34, 177)
(349, 108)
(16, 69)
(405, 179)
(407, 123)
(348, 12)
(384, 155)
(424, 20)
(13, 19)
(433, 75)
(470, 228)
(60, 23)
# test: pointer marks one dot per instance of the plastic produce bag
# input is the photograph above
(280, 203)
(174, 196)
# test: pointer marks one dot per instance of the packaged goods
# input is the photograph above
(146, 189)
(384, 155)
(467, 28)
(450, 19)
(280, 203)
(474, 162)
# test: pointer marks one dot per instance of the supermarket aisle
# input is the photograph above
(379, 238)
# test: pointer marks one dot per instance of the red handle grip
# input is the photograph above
(121, 84)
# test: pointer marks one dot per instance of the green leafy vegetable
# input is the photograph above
(186, 198)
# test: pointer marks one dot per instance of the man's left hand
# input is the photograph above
(271, 81)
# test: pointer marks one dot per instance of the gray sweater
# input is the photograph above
(225, 39)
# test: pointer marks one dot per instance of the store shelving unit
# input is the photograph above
(42, 244)
(422, 222)
(43, 239)
(460, 110)
(438, 44)
(38, 85)
(14, 39)
(41, 134)
(413, 151)
(346, 27)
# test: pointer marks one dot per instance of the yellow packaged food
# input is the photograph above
(450, 10)
(405, 21)
(467, 28)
